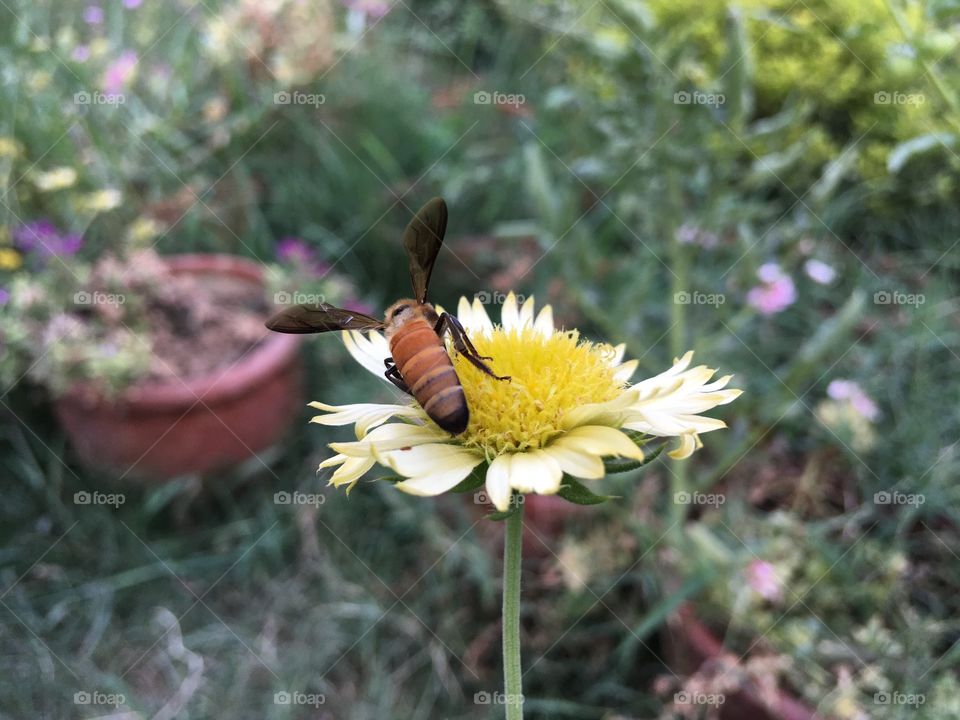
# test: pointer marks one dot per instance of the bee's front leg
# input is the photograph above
(462, 344)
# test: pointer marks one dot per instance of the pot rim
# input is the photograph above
(273, 351)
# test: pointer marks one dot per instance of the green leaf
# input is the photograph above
(621, 466)
(390, 478)
(919, 145)
(575, 492)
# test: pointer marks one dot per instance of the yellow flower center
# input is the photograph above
(549, 376)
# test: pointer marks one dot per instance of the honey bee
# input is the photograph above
(419, 364)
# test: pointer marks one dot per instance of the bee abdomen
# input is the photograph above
(426, 368)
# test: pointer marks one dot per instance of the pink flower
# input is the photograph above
(131, 4)
(375, 9)
(776, 291)
(120, 72)
(762, 579)
(851, 392)
(81, 53)
(93, 15)
(819, 271)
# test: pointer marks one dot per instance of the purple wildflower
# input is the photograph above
(119, 73)
(93, 15)
(776, 291)
(44, 238)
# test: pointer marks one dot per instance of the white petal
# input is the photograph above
(481, 324)
(577, 463)
(365, 415)
(599, 440)
(391, 436)
(526, 313)
(509, 315)
(350, 471)
(465, 314)
(498, 482)
(624, 372)
(689, 442)
(429, 459)
(370, 350)
(535, 471)
(618, 353)
(544, 322)
(612, 412)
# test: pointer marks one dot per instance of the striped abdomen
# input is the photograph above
(425, 367)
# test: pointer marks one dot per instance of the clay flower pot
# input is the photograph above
(159, 429)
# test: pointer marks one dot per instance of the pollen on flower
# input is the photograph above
(549, 376)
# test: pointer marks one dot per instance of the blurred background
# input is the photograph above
(773, 184)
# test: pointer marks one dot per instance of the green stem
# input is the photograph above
(512, 679)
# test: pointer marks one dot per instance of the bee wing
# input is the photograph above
(302, 319)
(422, 240)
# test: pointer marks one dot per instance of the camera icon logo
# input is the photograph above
(81, 697)
(81, 98)
(82, 297)
(481, 698)
(282, 298)
(81, 498)
(681, 498)
(281, 498)
(881, 97)
(882, 498)
(281, 698)
(681, 298)
(281, 98)
(881, 698)
(481, 97)
(481, 498)
(882, 297)
(681, 97)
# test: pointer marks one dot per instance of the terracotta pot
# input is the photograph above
(693, 643)
(160, 429)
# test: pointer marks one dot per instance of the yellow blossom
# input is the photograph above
(566, 407)
(57, 179)
(10, 259)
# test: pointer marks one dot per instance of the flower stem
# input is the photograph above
(512, 680)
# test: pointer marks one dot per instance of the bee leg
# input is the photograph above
(462, 344)
(393, 375)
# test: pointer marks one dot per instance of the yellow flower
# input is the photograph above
(10, 259)
(101, 200)
(565, 408)
(56, 179)
(9, 147)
